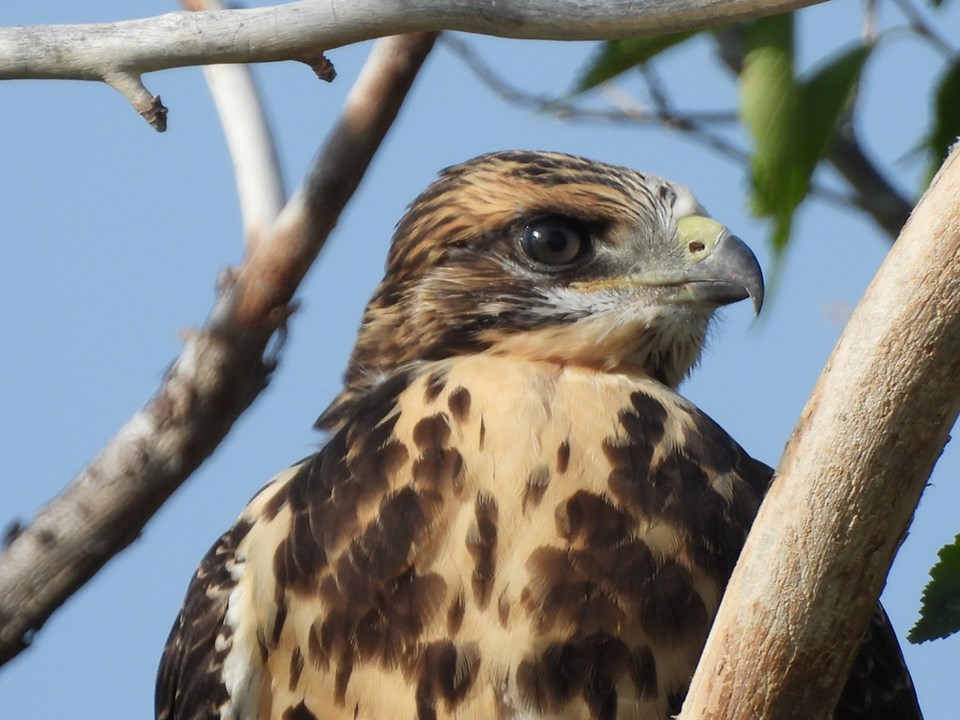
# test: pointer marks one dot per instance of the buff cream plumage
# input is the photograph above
(516, 515)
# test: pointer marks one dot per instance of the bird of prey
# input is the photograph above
(516, 516)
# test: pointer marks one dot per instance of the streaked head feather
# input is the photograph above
(457, 280)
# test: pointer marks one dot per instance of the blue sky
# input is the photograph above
(113, 236)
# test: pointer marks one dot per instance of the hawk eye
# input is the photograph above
(554, 240)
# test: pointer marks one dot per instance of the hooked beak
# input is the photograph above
(723, 269)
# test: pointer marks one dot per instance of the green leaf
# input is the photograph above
(618, 56)
(824, 97)
(792, 121)
(940, 605)
(768, 103)
(946, 112)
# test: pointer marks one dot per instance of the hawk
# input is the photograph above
(515, 516)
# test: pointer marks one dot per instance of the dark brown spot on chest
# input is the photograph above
(434, 386)
(445, 671)
(560, 597)
(296, 667)
(482, 545)
(387, 631)
(432, 433)
(439, 467)
(459, 404)
(455, 613)
(593, 520)
(671, 610)
(587, 668)
(536, 486)
(563, 457)
(298, 712)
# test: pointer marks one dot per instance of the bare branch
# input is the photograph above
(314, 209)
(255, 164)
(688, 124)
(872, 192)
(692, 124)
(220, 371)
(624, 111)
(920, 26)
(850, 478)
(248, 135)
(131, 87)
(295, 31)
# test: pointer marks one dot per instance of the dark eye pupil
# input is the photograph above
(557, 241)
(553, 241)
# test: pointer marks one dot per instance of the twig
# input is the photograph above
(568, 110)
(816, 559)
(868, 31)
(655, 87)
(873, 193)
(249, 138)
(922, 27)
(690, 124)
(221, 370)
(295, 31)
(131, 87)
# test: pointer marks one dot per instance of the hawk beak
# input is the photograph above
(722, 268)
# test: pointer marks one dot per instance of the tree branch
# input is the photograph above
(294, 31)
(249, 138)
(568, 110)
(873, 194)
(847, 485)
(219, 373)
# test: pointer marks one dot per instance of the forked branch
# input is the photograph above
(221, 370)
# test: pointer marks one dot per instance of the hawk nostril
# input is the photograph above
(696, 246)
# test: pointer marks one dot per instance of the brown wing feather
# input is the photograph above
(268, 555)
(189, 682)
(879, 687)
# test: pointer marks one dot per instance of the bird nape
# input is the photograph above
(515, 515)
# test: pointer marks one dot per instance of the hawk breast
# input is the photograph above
(496, 538)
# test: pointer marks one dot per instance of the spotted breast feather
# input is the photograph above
(516, 516)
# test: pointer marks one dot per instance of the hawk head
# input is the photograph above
(551, 257)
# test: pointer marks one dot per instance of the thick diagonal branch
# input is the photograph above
(847, 485)
(220, 371)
